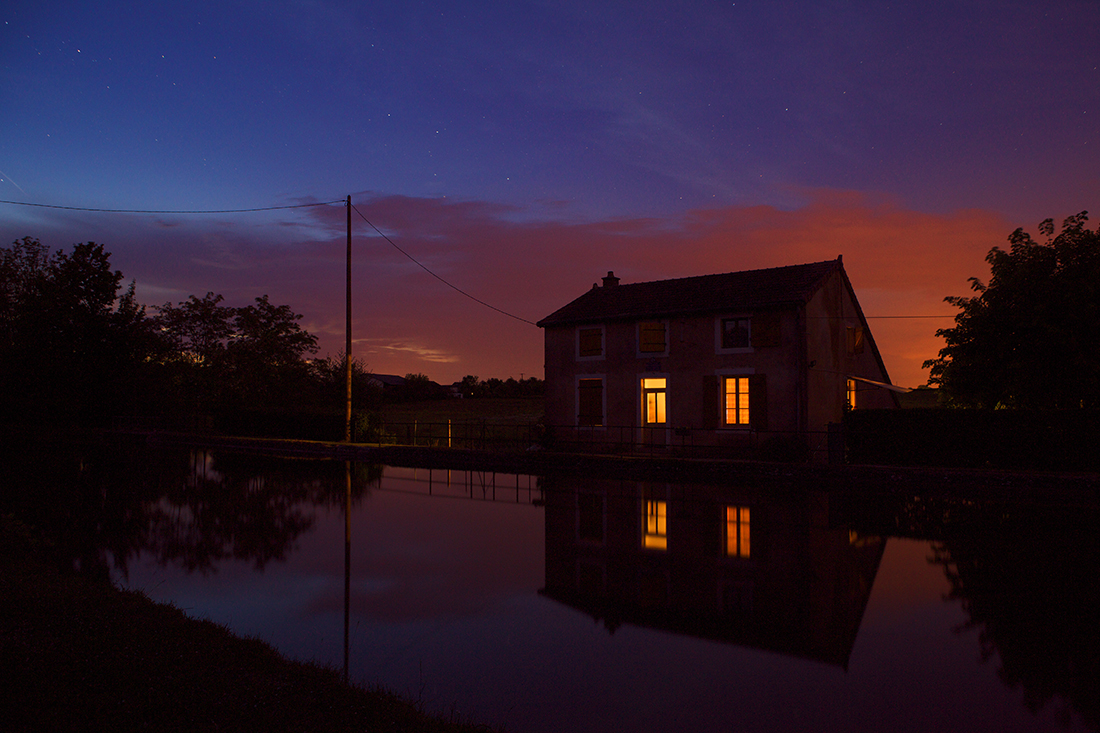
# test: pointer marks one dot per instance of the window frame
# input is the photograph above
(742, 538)
(720, 334)
(856, 339)
(643, 400)
(742, 391)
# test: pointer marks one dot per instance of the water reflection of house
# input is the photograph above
(730, 564)
(724, 358)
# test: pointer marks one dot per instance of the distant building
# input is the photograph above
(386, 381)
(731, 360)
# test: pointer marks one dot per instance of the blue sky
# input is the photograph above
(522, 149)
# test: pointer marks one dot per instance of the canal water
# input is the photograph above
(595, 604)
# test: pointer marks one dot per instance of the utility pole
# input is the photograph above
(347, 334)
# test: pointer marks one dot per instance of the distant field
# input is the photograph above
(520, 411)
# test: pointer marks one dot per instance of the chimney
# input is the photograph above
(610, 281)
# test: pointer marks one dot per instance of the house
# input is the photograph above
(735, 361)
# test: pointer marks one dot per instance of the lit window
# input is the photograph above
(735, 333)
(737, 531)
(737, 400)
(655, 536)
(590, 402)
(651, 337)
(653, 400)
(590, 342)
(851, 394)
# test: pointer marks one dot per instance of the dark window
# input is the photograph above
(855, 340)
(590, 402)
(736, 333)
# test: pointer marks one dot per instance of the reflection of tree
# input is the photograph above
(103, 507)
(241, 508)
(1027, 580)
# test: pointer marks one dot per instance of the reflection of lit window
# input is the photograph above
(651, 337)
(737, 531)
(737, 400)
(656, 525)
(851, 394)
(590, 402)
(653, 400)
(735, 333)
(590, 342)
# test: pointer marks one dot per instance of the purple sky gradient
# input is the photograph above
(522, 149)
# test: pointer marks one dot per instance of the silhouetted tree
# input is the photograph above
(1031, 337)
(418, 387)
(236, 356)
(74, 348)
(330, 383)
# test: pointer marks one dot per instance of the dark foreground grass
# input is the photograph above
(81, 655)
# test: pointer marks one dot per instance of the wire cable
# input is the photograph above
(437, 277)
(171, 211)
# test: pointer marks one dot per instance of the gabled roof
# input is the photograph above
(733, 291)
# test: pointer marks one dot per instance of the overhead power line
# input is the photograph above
(171, 211)
(437, 277)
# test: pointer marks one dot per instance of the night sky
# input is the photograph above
(520, 150)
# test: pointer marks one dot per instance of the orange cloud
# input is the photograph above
(902, 263)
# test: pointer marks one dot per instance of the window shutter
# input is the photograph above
(652, 335)
(590, 402)
(591, 342)
(758, 402)
(710, 402)
(765, 329)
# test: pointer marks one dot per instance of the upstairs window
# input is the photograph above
(651, 337)
(736, 333)
(590, 342)
(855, 340)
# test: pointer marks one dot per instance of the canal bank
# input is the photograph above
(851, 480)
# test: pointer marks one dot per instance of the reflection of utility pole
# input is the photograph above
(347, 564)
(347, 335)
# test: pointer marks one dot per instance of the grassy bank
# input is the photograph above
(78, 654)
